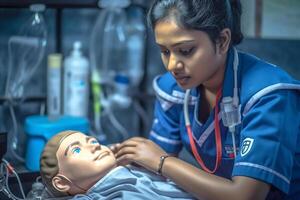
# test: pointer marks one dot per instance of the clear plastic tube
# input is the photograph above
(8, 191)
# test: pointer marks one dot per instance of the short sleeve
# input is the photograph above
(269, 139)
(166, 128)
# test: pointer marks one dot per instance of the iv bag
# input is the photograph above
(108, 40)
(26, 52)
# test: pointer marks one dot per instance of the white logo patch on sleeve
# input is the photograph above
(246, 146)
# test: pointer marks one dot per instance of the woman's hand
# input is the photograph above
(141, 151)
(114, 147)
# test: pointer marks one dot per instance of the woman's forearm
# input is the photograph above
(207, 186)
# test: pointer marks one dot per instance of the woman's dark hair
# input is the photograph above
(210, 16)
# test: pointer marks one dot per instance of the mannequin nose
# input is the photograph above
(95, 148)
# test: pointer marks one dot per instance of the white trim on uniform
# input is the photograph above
(266, 91)
(247, 164)
(174, 99)
(208, 131)
(165, 104)
(164, 139)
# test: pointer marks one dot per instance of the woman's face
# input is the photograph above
(190, 55)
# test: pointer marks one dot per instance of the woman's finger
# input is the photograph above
(125, 159)
(114, 147)
(126, 150)
(128, 143)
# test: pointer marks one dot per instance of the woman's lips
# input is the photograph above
(182, 80)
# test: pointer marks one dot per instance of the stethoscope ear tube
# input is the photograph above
(185, 108)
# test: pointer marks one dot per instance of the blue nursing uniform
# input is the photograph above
(268, 138)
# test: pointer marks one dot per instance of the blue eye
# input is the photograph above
(94, 142)
(76, 150)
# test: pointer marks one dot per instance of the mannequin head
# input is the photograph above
(72, 162)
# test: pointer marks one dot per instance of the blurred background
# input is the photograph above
(109, 93)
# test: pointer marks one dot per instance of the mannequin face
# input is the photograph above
(83, 161)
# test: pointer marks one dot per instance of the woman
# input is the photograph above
(261, 158)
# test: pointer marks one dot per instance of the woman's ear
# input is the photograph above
(61, 183)
(223, 41)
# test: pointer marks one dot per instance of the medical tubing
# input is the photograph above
(185, 108)
(235, 70)
(15, 39)
(7, 165)
(23, 79)
(29, 41)
(117, 124)
(96, 91)
(93, 56)
(233, 142)
(217, 134)
(142, 113)
(15, 132)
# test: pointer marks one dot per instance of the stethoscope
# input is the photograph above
(230, 114)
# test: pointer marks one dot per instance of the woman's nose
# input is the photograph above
(174, 64)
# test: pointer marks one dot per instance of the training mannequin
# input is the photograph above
(73, 163)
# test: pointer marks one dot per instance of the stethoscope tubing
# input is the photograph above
(216, 121)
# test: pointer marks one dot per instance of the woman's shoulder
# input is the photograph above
(165, 87)
(166, 82)
(253, 67)
(259, 77)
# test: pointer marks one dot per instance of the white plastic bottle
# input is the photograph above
(54, 85)
(76, 83)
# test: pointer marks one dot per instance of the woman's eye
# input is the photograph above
(165, 52)
(186, 52)
(76, 150)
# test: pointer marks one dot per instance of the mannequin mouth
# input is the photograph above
(101, 155)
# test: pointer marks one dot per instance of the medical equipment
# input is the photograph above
(54, 85)
(231, 117)
(26, 51)
(25, 54)
(6, 170)
(136, 44)
(116, 34)
(76, 83)
(36, 192)
(3, 144)
(109, 31)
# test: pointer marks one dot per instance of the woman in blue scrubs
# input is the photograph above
(255, 155)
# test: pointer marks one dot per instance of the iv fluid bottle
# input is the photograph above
(26, 52)
(54, 85)
(36, 192)
(108, 41)
(76, 83)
